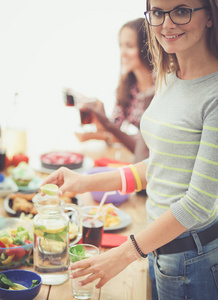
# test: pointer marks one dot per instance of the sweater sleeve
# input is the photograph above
(200, 201)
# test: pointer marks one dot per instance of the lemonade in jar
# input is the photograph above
(51, 236)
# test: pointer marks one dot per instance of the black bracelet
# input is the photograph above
(137, 247)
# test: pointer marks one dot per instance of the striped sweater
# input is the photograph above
(180, 128)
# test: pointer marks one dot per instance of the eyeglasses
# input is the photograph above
(179, 16)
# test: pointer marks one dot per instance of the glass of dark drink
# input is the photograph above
(85, 117)
(68, 98)
(93, 226)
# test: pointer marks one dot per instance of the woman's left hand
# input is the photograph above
(104, 266)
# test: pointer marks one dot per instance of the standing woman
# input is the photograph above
(180, 128)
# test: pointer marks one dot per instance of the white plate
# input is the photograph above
(88, 163)
(7, 187)
(125, 220)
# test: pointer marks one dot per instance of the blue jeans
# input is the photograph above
(191, 275)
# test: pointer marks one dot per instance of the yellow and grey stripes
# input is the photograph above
(180, 127)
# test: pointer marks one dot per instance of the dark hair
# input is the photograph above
(166, 63)
(128, 80)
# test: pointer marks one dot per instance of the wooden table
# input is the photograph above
(132, 283)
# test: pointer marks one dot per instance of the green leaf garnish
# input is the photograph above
(78, 252)
(5, 283)
(35, 282)
(53, 236)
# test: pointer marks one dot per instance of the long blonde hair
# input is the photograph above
(164, 62)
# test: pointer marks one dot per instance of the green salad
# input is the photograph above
(15, 246)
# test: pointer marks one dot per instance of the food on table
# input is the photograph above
(22, 174)
(69, 197)
(73, 230)
(22, 202)
(55, 160)
(111, 218)
(15, 246)
(22, 205)
(17, 158)
(26, 196)
(6, 283)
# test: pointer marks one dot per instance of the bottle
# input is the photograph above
(2, 152)
(15, 133)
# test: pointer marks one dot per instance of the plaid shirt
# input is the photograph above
(138, 103)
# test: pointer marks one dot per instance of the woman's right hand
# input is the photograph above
(99, 116)
(66, 180)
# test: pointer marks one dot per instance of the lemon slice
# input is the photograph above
(39, 232)
(54, 229)
(49, 189)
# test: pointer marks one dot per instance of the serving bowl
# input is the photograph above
(21, 277)
(116, 198)
(15, 247)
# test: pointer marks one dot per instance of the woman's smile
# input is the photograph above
(172, 37)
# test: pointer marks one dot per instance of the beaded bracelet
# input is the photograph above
(133, 249)
(137, 178)
(130, 181)
(123, 180)
(137, 247)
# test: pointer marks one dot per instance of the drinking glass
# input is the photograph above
(73, 98)
(93, 225)
(86, 291)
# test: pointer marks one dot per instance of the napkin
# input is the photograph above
(112, 239)
(108, 162)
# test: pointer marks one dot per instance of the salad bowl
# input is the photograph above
(31, 280)
(16, 242)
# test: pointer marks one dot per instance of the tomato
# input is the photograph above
(2, 245)
(17, 158)
(7, 162)
(113, 213)
(20, 252)
(28, 241)
(17, 251)
(10, 252)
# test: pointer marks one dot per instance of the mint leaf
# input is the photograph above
(78, 253)
(53, 236)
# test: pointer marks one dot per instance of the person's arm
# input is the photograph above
(110, 128)
(68, 180)
(98, 135)
(107, 265)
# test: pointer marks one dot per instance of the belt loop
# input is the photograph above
(197, 242)
(154, 253)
